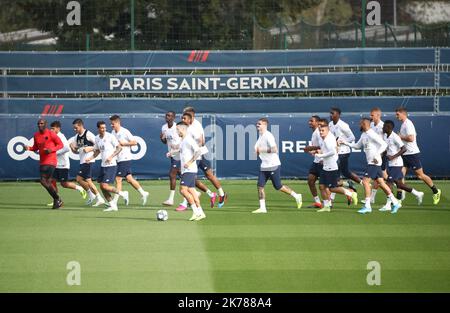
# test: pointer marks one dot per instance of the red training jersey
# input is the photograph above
(47, 140)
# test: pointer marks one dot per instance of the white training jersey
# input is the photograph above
(269, 161)
(407, 129)
(328, 153)
(373, 146)
(107, 145)
(87, 139)
(62, 154)
(173, 140)
(188, 148)
(196, 131)
(341, 130)
(394, 144)
(315, 142)
(378, 128)
(124, 135)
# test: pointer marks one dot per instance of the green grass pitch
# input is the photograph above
(286, 250)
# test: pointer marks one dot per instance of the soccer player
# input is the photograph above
(61, 173)
(411, 158)
(394, 151)
(80, 144)
(47, 143)
(109, 147)
(376, 125)
(373, 146)
(316, 166)
(126, 140)
(169, 136)
(329, 176)
(189, 152)
(196, 130)
(267, 150)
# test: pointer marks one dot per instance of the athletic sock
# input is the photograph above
(221, 193)
(184, 203)
(194, 209)
(141, 191)
(200, 210)
(115, 198)
(316, 199)
(388, 202)
(332, 196)
(347, 192)
(121, 193)
(434, 189)
(414, 192)
(172, 195)
(326, 203)
(210, 193)
(393, 199)
(91, 194)
(294, 194)
(367, 203)
(262, 204)
(79, 188)
(373, 195)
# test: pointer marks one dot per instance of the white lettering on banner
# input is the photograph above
(255, 83)
(16, 149)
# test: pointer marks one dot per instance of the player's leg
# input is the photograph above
(262, 180)
(275, 177)
(63, 176)
(314, 173)
(345, 171)
(427, 180)
(174, 170)
(366, 181)
(418, 194)
(46, 173)
(133, 182)
(204, 165)
(387, 190)
(200, 213)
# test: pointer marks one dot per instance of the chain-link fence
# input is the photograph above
(197, 24)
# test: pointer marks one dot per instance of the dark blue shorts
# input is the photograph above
(85, 171)
(61, 174)
(203, 164)
(107, 174)
(394, 173)
(123, 168)
(175, 164)
(275, 177)
(373, 171)
(188, 179)
(315, 169)
(384, 162)
(412, 161)
(343, 165)
(329, 178)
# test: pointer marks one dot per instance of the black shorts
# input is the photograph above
(373, 171)
(61, 174)
(329, 178)
(175, 163)
(394, 173)
(275, 177)
(315, 169)
(123, 168)
(412, 161)
(204, 164)
(384, 162)
(46, 170)
(188, 179)
(85, 171)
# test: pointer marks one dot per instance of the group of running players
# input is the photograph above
(388, 156)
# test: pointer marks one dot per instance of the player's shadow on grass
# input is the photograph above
(148, 219)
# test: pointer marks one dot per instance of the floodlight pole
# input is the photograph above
(363, 23)
(132, 24)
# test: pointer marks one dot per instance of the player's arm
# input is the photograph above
(96, 153)
(399, 153)
(65, 147)
(311, 148)
(331, 152)
(407, 138)
(357, 145)
(197, 153)
(115, 153)
(348, 133)
(131, 141)
(410, 133)
(34, 147)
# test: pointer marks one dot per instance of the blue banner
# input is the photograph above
(60, 106)
(230, 139)
(217, 83)
(170, 60)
